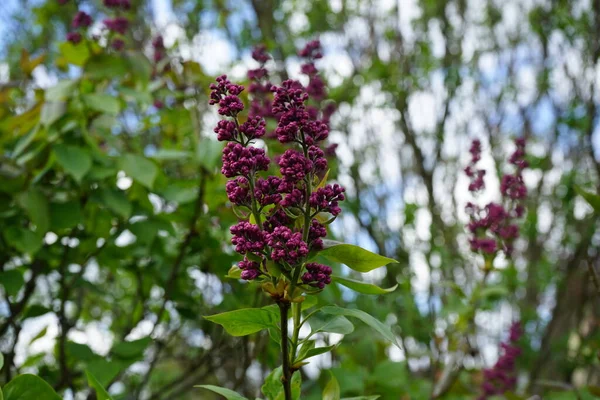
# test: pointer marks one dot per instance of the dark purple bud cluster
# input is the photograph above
(158, 46)
(287, 246)
(248, 238)
(260, 86)
(317, 276)
(284, 210)
(81, 20)
(493, 226)
(63, 2)
(312, 52)
(501, 377)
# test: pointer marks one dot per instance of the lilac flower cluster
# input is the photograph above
(80, 20)
(318, 275)
(493, 226)
(502, 376)
(260, 86)
(158, 46)
(284, 211)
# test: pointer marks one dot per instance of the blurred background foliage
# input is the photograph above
(115, 221)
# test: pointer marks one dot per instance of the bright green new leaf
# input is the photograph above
(227, 393)
(101, 393)
(332, 324)
(29, 387)
(76, 54)
(245, 321)
(102, 102)
(1, 361)
(381, 328)
(362, 287)
(312, 352)
(332, 390)
(354, 257)
(139, 168)
(75, 160)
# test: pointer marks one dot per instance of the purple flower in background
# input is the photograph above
(74, 37)
(502, 377)
(118, 44)
(117, 24)
(81, 20)
(125, 4)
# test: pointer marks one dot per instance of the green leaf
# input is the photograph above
(51, 112)
(332, 390)
(1, 361)
(104, 66)
(139, 168)
(591, 198)
(209, 153)
(102, 102)
(40, 335)
(245, 321)
(227, 393)
(171, 155)
(29, 387)
(354, 257)
(12, 281)
(76, 54)
(23, 240)
(362, 287)
(273, 388)
(101, 393)
(35, 203)
(65, 215)
(75, 160)
(105, 371)
(133, 349)
(61, 91)
(362, 398)
(117, 202)
(381, 328)
(314, 352)
(332, 324)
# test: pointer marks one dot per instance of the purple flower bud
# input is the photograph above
(317, 275)
(250, 269)
(259, 53)
(268, 191)
(247, 238)
(238, 191)
(286, 245)
(326, 199)
(294, 167)
(240, 160)
(253, 128)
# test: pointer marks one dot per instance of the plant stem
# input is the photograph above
(296, 315)
(286, 379)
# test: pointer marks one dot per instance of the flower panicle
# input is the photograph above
(285, 212)
(493, 227)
